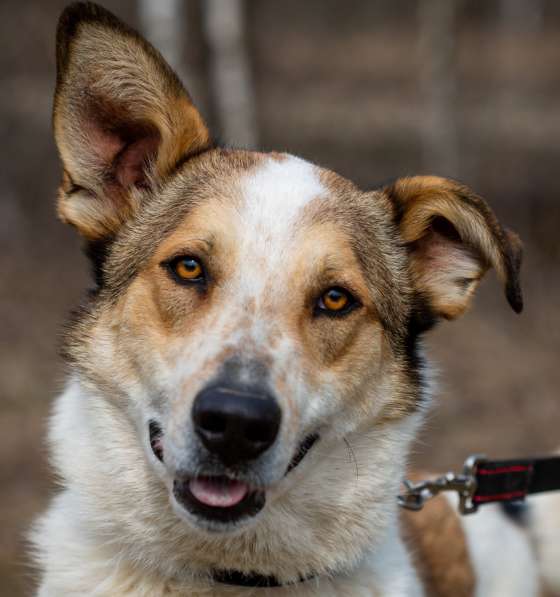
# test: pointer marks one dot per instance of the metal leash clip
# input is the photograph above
(417, 494)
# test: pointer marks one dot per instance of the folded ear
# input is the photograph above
(122, 119)
(453, 238)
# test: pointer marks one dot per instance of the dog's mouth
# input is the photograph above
(218, 498)
(221, 498)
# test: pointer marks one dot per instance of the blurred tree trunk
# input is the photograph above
(519, 21)
(165, 24)
(230, 72)
(521, 15)
(438, 52)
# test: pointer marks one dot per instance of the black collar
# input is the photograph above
(240, 579)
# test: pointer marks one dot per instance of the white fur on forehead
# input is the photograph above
(276, 192)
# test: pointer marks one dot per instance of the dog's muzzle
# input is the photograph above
(236, 426)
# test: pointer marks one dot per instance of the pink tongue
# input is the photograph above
(220, 493)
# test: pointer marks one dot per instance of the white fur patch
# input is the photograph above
(501, 554)
(545, 524)
(274, 195)
(276, 192)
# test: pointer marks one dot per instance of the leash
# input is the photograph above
(486, 481)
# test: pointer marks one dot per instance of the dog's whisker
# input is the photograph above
(352, 456)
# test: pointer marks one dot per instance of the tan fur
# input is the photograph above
(438, 544)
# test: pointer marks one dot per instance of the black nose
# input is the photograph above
(236, 424)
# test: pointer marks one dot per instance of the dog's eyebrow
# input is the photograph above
(333, 264)
(186, 246)
(332, 269)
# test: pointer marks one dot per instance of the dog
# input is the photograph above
(247, 375)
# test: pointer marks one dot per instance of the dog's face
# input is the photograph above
(251, 308)
(266, 319)
(259, 327)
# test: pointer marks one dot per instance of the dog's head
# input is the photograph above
(256, 315)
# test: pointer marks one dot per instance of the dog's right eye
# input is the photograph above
(335, 301)
(186, 269)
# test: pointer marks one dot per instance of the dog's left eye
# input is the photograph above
(186, 269)
(336, 301)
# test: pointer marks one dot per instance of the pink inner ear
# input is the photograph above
(105, 144)
(122, 147)
(445, 254)
(446, 271)
(131, 163)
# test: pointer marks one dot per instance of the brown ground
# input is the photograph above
(341, 84)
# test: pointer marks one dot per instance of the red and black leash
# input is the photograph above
(513, 480)
(485, 481)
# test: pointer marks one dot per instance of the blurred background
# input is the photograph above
(373, 89)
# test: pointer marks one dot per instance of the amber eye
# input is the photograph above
(186, 269)
(336, 301)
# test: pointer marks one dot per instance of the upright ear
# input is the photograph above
(122, 119)
(453, 238)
